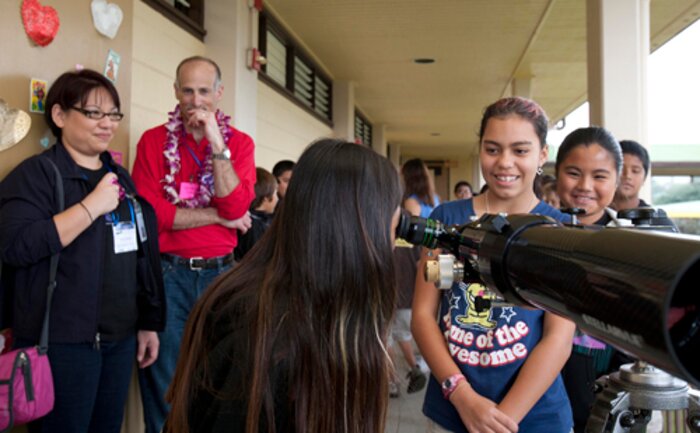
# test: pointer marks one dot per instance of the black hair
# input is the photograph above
(634, 148)
(318, 292)
(586, 137)
(73, 88)
(281, 167)
(265, 187)
(416, 182)
(462, 183)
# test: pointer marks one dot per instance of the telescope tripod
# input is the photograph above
(627, 398)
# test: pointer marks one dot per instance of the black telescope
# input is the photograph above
(638, 290)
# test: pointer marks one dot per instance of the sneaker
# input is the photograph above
(416, 380)
(393, 389)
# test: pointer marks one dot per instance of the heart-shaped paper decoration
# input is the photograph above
(14, 125)
(40, 22)
(107, 17)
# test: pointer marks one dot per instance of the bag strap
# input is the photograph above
(44, 338)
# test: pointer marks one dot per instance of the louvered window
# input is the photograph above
(276, 59)
(291, 71)
(363, 129)
(188, 14)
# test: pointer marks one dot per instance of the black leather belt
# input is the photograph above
(198, 263)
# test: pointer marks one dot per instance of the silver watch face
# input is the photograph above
(226, 154)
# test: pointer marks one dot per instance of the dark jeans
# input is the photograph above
(182, 289)
(90, 386)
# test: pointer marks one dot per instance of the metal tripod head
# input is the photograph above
(625, 400)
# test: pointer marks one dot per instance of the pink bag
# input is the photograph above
(26, 383)
(26, 387)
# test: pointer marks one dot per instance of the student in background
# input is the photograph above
(548, 190)
(419, 190)
(463, 190)
(588, 165)
(635, 169)
(261, 211)
(283, 173)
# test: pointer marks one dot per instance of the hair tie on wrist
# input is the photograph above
(88, 212)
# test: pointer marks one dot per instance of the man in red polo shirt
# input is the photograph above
(198, 172)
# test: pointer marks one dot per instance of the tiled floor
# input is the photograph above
(405, 413)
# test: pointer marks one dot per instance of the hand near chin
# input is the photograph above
(105, 197)
(204, 120)
(481, 415)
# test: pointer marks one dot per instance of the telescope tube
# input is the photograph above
(635, 289)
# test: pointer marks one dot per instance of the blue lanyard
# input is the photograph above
(114, 216)
(194, 156)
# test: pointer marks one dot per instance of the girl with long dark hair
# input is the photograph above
(293, 339)
(419, 191)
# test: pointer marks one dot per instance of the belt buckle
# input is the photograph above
(194, 267)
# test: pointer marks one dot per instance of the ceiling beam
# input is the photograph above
(528, 47)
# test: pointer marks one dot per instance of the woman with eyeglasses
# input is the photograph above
(108, 303)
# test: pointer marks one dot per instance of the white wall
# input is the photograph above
(283, 129)
(158, 47)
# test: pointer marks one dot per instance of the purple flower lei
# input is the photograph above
(205, 178)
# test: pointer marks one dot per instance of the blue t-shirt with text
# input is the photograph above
(491, 346)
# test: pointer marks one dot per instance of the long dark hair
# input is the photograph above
(317, 293)
(416, 181)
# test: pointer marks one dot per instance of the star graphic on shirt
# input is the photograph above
(507, 313)
(454, 301)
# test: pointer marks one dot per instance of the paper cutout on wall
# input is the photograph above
(14, 125)
(107, 17)
(37, 96)
(112, 66)
(46, 139)
(117, 156)
(40, 22)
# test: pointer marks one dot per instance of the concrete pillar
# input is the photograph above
(232, 30)
(395, 154)
(344, 110)
(379, 139)
(522, 86)
(618, 52)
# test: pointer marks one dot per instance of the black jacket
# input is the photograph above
(28, 238)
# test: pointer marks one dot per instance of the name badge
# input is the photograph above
(188, 190)
(124, 237)
(140, 224)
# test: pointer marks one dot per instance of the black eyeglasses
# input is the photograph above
(97, 114)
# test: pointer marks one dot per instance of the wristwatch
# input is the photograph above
(225, 155)
(450, 384)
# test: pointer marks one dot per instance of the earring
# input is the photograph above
(539, 171)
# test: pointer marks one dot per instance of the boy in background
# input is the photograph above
(261, 211)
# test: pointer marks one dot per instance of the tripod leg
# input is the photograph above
(693, 419)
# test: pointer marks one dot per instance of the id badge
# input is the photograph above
(124, 237)
(188, 190)
(140, 224)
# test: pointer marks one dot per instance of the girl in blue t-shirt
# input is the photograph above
(495, 370)
(419, 190)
